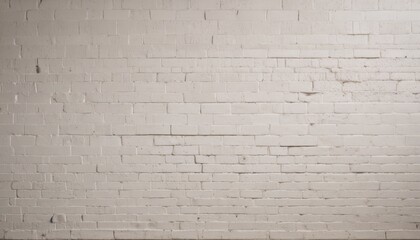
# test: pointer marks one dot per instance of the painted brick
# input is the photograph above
(209, 119)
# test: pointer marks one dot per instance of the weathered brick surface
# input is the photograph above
(209, 119)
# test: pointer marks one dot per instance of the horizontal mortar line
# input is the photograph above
(255, 58)
(187, 135)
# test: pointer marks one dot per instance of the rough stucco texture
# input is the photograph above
(210, 119)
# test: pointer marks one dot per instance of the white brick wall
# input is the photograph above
(210, 119)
